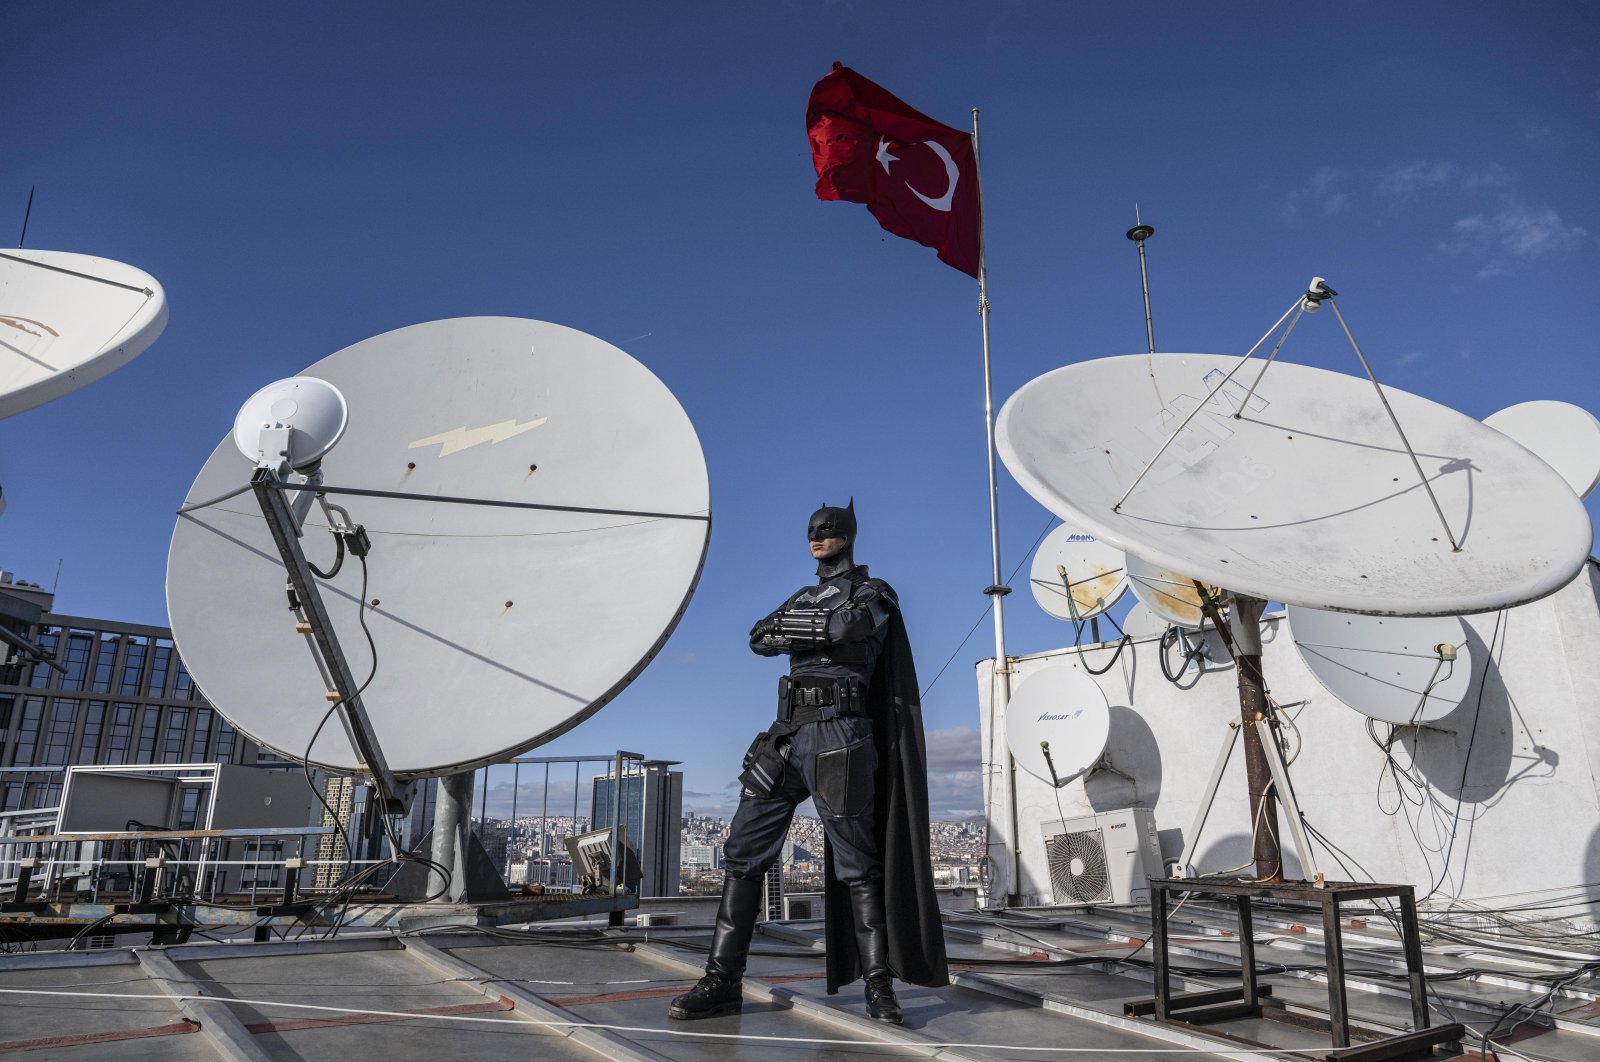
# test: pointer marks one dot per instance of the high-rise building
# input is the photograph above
(651, 809)
(117, 693)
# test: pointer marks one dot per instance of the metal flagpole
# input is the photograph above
(997, 589)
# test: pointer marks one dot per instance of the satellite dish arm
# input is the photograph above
(31, 653)
(307, 600)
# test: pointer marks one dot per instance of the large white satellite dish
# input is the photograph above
(497, 626)
(1075, 576)
(68, 319)
(1309, 497)
(1057, 724)
(1564, 436)
(1397, 669)
(1169, 595)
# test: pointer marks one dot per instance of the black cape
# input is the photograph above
(911, 907)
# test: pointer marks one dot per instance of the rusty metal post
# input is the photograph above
(1242, 633)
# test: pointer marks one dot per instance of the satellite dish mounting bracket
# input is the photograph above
(306, 601)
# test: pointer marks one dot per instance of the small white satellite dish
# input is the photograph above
(1170, 596)
(1057, 724)
(561, 526)
(1307, 497)
(1140, 623)
(298, 420)
(1564, 436)
(1076, 576)
(68, 319)
(1401, 670)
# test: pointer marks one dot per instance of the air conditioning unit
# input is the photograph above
(1103, 859)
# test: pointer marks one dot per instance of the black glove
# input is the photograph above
(765, 639)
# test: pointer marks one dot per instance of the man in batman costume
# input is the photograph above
(849, 735)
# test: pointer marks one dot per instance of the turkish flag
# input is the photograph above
(917, 176)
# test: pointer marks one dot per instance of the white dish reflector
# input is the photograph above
(1061, 708)
(497, 628)
(1169, 595)
(1401, 670)
(1564, 436)
(68, 319)
(1076, 576)
(1307, 497)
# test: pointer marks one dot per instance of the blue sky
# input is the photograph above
(300, 177)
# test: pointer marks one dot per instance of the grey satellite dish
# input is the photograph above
(1308, 497)
(1140, 623)
(68, 319)
(1564, 436)
(1057, 724)
(497, 626)
(1401, 670)
(1170, 596)
(1075, 576)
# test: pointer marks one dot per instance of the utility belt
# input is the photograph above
(807, 700)
(800, 701)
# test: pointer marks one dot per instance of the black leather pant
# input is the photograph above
(833, 761)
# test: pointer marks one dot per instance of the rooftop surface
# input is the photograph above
(1035, 984)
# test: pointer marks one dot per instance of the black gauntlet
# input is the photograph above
(795, 629)
(803, 628)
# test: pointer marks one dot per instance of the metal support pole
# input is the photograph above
(1158, 950)
(1138, 234)
(1263, 798)
(1333, 952)
(1285, 792)
(452, 812)
(997, 590)
(1242, 634)
(1203, 812)
(1247, 949)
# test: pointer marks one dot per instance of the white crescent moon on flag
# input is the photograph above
(951, 172)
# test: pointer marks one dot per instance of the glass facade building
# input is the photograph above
(118, 693)
(651, 809)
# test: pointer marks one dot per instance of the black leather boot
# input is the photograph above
(872, 943)
(718, 992)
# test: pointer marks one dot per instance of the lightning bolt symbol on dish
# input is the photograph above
(464, 438)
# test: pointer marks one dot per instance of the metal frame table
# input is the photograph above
(1201, 1007)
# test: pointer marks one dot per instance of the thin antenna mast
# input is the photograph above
(1138, 234)
(27, 214)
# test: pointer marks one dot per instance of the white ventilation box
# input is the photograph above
(1103, 859)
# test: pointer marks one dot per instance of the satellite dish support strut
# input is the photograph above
(1265, 769)
(394, 795)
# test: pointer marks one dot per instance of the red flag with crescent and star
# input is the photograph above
(918, 177)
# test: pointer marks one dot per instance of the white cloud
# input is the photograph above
(1411, 179)
(953, 749)
(955, 788)
(1516, 230)
(1325, 192)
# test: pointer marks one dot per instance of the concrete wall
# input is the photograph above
(1519, 819)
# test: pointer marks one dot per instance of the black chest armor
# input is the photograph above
(851, 659)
